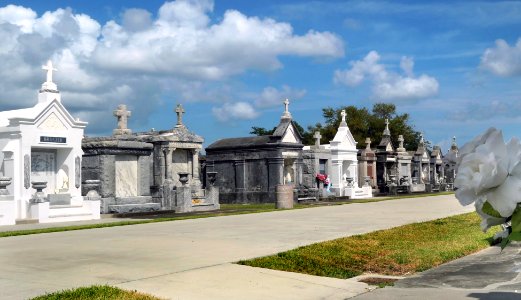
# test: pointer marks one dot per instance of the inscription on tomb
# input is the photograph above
(53, 139)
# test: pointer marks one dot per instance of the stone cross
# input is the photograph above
(401, 140)
(179, 111)
(386, 130)
(286, 113)
(122, 114)
(343, 114)
(421, 138)
(49, 68)
(454, 140)
(368, 143)
(317, 136)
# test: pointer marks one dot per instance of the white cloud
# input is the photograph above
(271, 96)
(503, 60)
(183, 50)
(388, 85)
(235, 111)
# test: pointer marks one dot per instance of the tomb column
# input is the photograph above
(275, 172)
(195, 164)
(9, 168)
(168, 162)
(336, 176)
(240, 177)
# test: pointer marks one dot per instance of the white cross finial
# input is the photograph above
(49, 68)
(368, 143)
(317, 137)
(343, 114)
(286, 113)
(179, 111)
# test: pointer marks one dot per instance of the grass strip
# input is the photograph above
(397, 251)
(226, 210)
(96, 292)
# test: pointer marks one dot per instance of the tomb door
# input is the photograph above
(126, 179)
(43, 168)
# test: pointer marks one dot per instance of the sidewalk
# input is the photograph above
(192, 259)
(489, 274)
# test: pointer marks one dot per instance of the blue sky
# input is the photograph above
(454, 66)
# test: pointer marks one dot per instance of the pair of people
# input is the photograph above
(325, 179)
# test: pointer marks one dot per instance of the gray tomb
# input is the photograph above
(367, 165)
(251, 168)
(386, 168)
(316, 159)
(421, 169)
(449, 163)
(149, 171)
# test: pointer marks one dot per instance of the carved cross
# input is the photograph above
(368, 143)
(286, 106)
(49, 68)
(317, 136)
(400, 140)
(386, 123)
(343, 114)
(179, 111)
(122, 114)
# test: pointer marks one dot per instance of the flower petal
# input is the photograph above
(505, 197)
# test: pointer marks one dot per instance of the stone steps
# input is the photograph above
(133, 200)
(134, 207)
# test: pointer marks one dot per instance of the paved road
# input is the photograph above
(191, 259)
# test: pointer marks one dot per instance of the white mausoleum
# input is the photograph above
(41, 148)
(344, 164)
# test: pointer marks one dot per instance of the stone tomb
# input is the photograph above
(367, 165)
(344, 175)
(404, 161)
(251, 168)
(386, 164)
(316, 160)
(41, 153)
(421, 169)
(141, 172)
(437, 171)
(449, 163)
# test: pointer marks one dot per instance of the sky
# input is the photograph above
(453, 66)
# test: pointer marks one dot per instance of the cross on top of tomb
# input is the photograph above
(343, 114)
(422, 141)
(286, 113)
(400, 140)
(179, 110)
(317, 137)
(122, 114)
(49, 68)
(387, 132)
(48, 85)
(368, 143)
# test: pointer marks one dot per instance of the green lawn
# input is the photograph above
(398, 251)
(96, 292)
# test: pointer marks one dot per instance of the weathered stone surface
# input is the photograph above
(126, 179)
(134, 208)
(59, 199)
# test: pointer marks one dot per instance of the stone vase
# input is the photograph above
(92, 186)
(39, 196)
(4, 182)
(183, 177)
(211, 176)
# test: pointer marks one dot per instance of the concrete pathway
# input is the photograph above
(191, 259)
(490, 274)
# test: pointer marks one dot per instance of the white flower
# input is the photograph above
(487, 220)
(488, 168)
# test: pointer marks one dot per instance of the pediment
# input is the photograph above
(290, 136)
(52, 122)
(344, 139)
(389, 148)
